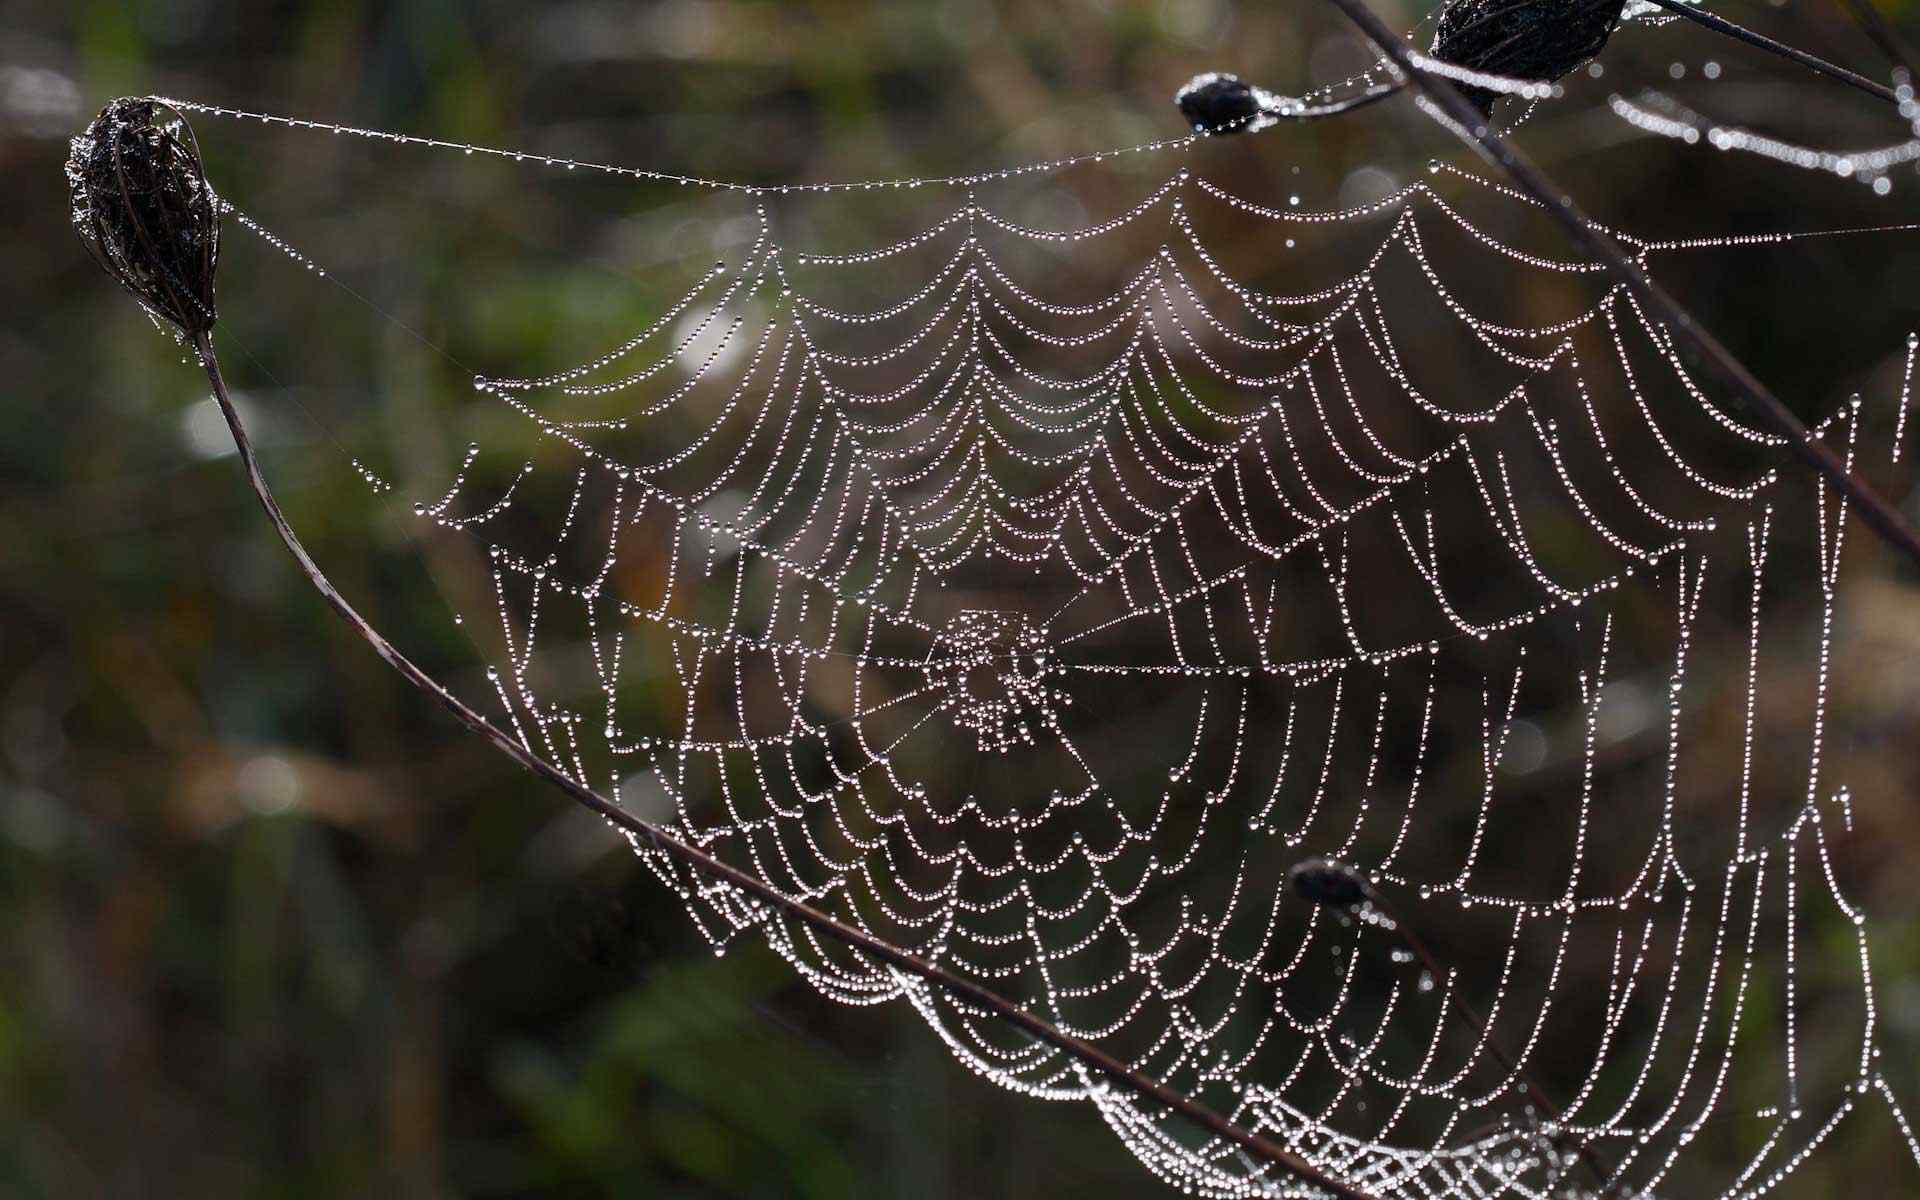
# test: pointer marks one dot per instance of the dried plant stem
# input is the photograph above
(960, 990)
(1336, 885)
(1372, 95)
(1882, 35)
(1474, 127)
(1535, 1093)
(1721, 25)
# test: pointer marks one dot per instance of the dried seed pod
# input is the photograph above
(1219, 103)
(142, 205)
(1538, 40)
(1324, 881)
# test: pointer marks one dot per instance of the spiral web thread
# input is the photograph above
(1039, 629)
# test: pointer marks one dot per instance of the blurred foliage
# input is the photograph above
(271, 927)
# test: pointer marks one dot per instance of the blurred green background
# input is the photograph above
(268, 925)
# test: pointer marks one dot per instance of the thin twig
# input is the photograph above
(960, 990)
(1590, 1156)
(1739, 33)
(1882, 35)
(1313, 112)
(1474, 127)
(1334, 884)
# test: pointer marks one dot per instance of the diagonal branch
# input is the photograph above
(1882, 35)
(1740, 33)
(961, 990)
(1474, 127)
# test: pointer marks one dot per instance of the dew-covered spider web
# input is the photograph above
(1037, 598)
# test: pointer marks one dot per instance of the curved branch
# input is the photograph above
(1882, 35)
(960, 990)
(1721, 25)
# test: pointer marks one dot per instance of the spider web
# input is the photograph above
(1040, 615)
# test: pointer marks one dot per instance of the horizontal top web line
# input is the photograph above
(1042, 167)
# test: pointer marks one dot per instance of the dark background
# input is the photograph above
(268, 924)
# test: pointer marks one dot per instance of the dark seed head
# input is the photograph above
(1324, 881)
(142, 205)
(1216, 103)
(1538, 40)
